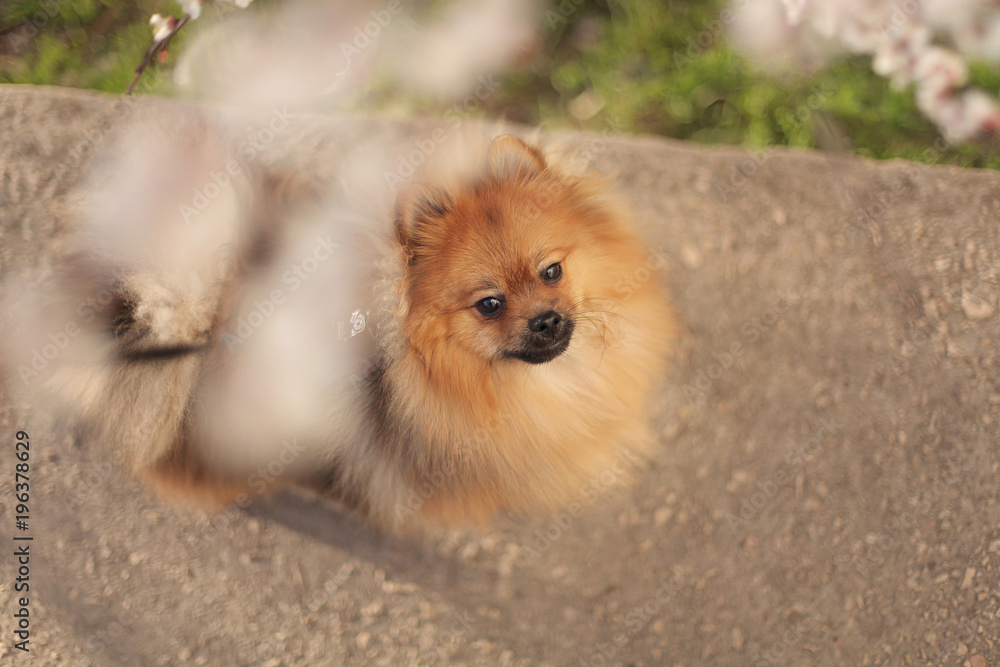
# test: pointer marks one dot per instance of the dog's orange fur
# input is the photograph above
(449, 410)
(502, 432)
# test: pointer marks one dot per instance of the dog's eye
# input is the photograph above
(489, 306)
(553, 273)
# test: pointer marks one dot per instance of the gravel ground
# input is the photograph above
(825, 491)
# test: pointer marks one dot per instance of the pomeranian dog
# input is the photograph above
(505, 367)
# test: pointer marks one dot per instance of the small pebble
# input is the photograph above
(975, 307)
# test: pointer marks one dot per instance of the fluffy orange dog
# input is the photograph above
(506, 370)
(518, 369)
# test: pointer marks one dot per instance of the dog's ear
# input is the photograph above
(418, 208)
(510, 159)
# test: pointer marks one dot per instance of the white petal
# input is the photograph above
(192, 8)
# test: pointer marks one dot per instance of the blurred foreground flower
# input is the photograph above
(912, 42)
(162, 26)
(164, 29)
(201, 232)
(323, 55)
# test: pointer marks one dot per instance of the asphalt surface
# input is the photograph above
(825, 490)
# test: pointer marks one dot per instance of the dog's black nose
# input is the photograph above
(547, 336)
(546, 324)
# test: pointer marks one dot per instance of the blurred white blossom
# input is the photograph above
(181, 199)
(923, 43)
(325, 54)
(471, 37)
(162, 26)
(192, 8)
(165, 27)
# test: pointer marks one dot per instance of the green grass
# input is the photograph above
(80, 43)
(663, 67)
(640, 66)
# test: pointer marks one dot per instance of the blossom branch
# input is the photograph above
(165, 27)
(157, 47)
(904, 38)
